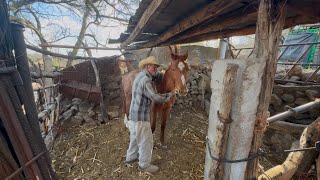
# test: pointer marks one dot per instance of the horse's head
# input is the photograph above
(178, 72)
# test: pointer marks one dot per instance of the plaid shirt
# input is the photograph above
(143, 93)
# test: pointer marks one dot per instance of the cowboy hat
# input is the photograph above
(149, 60)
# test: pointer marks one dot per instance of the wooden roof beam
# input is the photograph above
(149, 15)
(218, 34)
(212, 10)
(291, 21)
(224, 23)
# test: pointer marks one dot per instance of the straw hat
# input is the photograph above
(149, 60)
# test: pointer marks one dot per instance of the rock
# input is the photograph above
(299, 94)
(287, 97)
(312, 94)
(76, 120)
(295, 71)
(279, 76)
(271, 110)
(314, 113)
(202, 84)
(194, 83)
(87, 118)
(196, 75)
(291, 84)
(66, 115)
(202, 67)
(278, 91)
(91, 113)
(85, 106)
(195, 87)
(205, 77)
(295, 78)
(114, 107)
(76, 101)
(179, 101)
(78, 117)
(301, 101)
(194, 92)
(75, 107)
(114, 94)
(199, 97)
(302, 116)
(113, 114)
(190, 78)
(275, 100)
(112, 86)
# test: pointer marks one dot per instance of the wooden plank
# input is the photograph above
(210, 11)
(148, 16)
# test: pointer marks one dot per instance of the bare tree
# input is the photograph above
(89, 14)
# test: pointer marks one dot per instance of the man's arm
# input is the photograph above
(151, 93)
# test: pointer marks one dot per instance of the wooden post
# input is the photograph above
(223, 84)
(102, 106)
(224, 117)
(270, 23)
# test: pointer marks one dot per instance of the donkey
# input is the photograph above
(174, 79)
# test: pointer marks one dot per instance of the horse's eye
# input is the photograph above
(173, 69)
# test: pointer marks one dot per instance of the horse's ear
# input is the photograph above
(185, 56)
(170, 50)
(175, 50)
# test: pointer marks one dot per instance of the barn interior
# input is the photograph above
(245, 106)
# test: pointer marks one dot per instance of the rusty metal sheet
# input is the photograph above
(74, 89)
(84, 73)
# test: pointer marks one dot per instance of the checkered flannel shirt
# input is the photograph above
(143, 93)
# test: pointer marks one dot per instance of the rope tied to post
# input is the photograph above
(259, 154)
(261, 125)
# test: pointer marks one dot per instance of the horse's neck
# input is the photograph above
(165, 85)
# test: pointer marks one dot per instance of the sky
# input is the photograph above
(65, 18)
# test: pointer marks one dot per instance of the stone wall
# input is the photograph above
(198, 83)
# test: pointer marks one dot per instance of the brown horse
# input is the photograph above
(174, 78)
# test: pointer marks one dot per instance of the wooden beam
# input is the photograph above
(270, 23)
(66, 56)
(67, 46)
(234, 19)
(292, 21)
(219, 34)
(212, 10)
(149, 15)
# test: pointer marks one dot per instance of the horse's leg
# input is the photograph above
(164, 118)
(153, 117)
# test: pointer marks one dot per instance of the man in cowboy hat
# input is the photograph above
(143, 93)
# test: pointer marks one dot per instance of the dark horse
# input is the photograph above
(174, 78)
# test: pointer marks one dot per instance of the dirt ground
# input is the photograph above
(98, 152)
